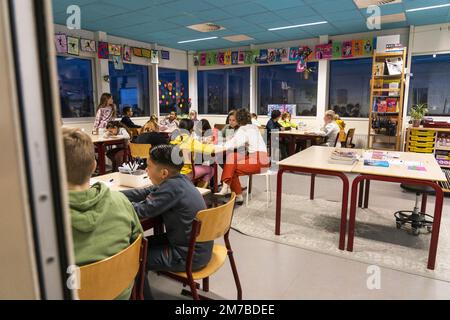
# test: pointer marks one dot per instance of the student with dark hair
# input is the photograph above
(116, 155)
(273, 126)
(177, 201)
(126, 119)
(241, 163)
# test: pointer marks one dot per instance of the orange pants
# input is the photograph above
(238, 164)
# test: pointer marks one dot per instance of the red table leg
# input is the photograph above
(313, 183)
(278, 204)
(361, 194)
(423, 207)
(437, 211)
(101, 158)
(366, 194)
(216, 177)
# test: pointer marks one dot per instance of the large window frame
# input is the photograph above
(186, 91)
(257, 83)
(94, 87)
(226, 99)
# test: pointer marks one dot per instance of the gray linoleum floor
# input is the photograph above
(271, 270)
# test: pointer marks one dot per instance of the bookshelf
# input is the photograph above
(435, 141)
(386, 100)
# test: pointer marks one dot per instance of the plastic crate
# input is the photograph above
(421, 138)
(421, 149)
(422, 144)
(423, 133)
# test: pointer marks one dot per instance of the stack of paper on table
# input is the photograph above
(343, 157)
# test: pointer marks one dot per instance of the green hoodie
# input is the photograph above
(103, 224)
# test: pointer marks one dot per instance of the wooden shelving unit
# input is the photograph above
(431, 140)
(379, 138)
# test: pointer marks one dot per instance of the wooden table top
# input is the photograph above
(112, 180)
(297, 132)
(97, 138)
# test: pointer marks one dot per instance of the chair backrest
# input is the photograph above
(215, 222)
(350, 134)
(107, 279)
(140, 150)
(219, 126)
(135, 132)
(336, 141)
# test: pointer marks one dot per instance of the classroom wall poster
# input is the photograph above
(221, 58)
(203, 59)
(154, 56)
(357, 48)
(146, 53)
(137, 52)
(88, 45)
(227, 58)
(347, 49)
(285, 55)
(118, 62)
(73, 46)
(271, 55)
(241, 57)
(127, 54)
(278, 53)
(211, 58)
(323, 51)
(337, 49)
(61, 43)
(293, 54)
(234, 57)
(115, 49)
(165, 55)
(368, 47)
(196, 60)
(103, 50)
(263, 56)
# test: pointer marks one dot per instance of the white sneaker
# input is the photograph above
(239, 199)
(226, 190)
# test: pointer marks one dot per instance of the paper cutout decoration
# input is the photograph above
(357, 48)
(285, 55)
(278, 54)
(211, 58)
(227, 58)
(221, 58)
(263, 56)
(248, 57)
(347, 49)
(305, 53)
(127, 54)
(155, 56)
(301, 65)
(137, 52)
(146, 53)
(73, 46)
(234, 57)
(368, 47)
(165, 55)
(115, 49)
(203, 59)
(241, 57)
(196, 60)
(323, 51)
(88, 45)
(271, 55)
(118, 62)
(61, 43)
(293, 54)
(103, 50)
(337, 49)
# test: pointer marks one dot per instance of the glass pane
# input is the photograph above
(430, 83)
(130, 88)
(75, 87)
(173, 91)
(281, 84)
(349, 91)
(222, 90)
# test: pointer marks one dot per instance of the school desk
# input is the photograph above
(314, 161)
(101, 143)
(112, 180)
(295, 135)
(399, 172)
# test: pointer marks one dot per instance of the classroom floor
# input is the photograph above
(270, 270)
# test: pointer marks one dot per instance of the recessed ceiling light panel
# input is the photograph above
(206, 27)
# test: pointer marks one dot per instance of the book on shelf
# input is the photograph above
(393, 85)
(378, 83)
(392, 105)
(379, 69)
(394, 66)
(380, 105)
(391, 47)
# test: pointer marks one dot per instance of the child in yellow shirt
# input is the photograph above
(286, 122)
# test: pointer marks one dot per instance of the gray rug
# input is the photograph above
(314, 225)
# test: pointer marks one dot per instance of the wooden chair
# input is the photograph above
(107, 279)
(349, 139)
(209, 225)
(140, 150)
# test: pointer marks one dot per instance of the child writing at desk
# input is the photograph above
(114, 129)
(330, 129)
(177, 201)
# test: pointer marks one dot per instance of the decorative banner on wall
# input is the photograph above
(115, 49)
(323, 51)
(61, 43)
(203, 59)
(221, 58)
(73, 46)
(146, 53)
(165, 55)
(337, 49)
(241, 57)
(347, 49)
(154, 57)
(234, 57)
(211, 58)
(88, 45)
(103, 50)
(127, 54)
(196, 60)
(293, 54)
(263, 56)
(271, 55)
(285, 55)
(227, 58)
(368, 47)
(118, 62)
(137, 52)
(357, 48)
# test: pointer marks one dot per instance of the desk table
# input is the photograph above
(101, 143)
(295, 135)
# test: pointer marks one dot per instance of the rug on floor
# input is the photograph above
(314, 225)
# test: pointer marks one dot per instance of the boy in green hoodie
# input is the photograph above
(103, 221)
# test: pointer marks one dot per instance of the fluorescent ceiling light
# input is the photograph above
(299, 25)
(195, 40)
(428, 8)
(238, 38)
(390, 18)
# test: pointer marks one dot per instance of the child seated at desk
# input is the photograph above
(114, 129)
(286, 122)
(190, 145)
(330, 129)
(177, 201)
(103, 221)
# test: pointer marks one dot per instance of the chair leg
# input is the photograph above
(206, 284)
(193, 287)
(313, 183)
(233, 267)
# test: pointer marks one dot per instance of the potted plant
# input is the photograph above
(418, 111)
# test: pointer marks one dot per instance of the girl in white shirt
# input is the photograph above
(330, 128)
(242, 163)
(116, 155)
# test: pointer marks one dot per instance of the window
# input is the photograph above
(173, 91)
(222, 90)
(281, 84)
(430, 83)
(130, 88)
(76, 88)
(349, 93)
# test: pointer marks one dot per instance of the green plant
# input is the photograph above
(418, 111)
